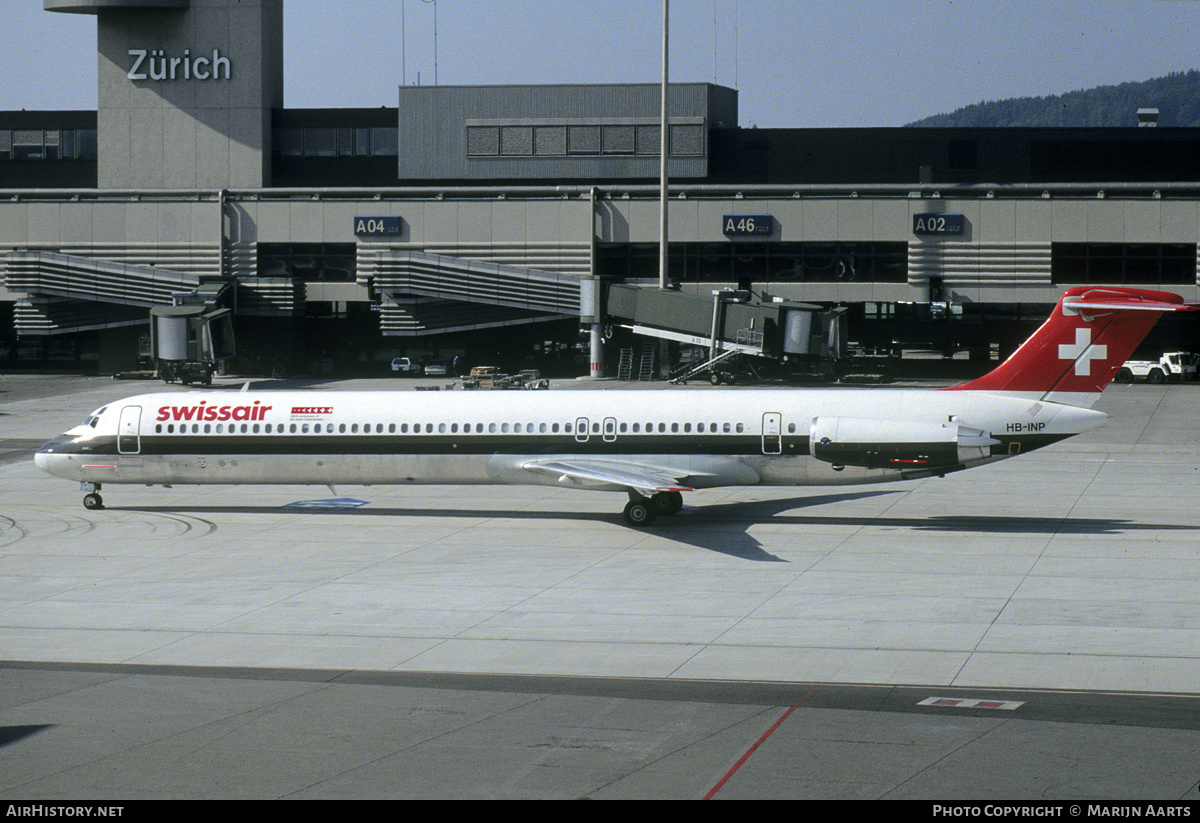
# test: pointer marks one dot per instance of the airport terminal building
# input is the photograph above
(475, 221)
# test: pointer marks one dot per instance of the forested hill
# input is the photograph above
(1176, 96)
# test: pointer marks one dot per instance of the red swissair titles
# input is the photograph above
(204, 412)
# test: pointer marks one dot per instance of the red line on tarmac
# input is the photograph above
(757, 743)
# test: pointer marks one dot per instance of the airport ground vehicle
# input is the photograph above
(488, 377)
(405, 367)
(1173, 366)
(654, 445)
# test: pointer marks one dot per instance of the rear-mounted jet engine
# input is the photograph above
(896, 444)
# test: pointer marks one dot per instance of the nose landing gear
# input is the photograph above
(92, 499)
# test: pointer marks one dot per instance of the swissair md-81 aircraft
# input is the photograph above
(654, 445)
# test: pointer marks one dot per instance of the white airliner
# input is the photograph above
(654, 445)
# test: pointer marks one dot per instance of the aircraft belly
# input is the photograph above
(808, 471)
(694, 471)
(347, 469)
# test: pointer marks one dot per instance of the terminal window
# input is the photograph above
(47, 144)
(550, 140)
(1131, 264)
(568, 139)
(310, 262)
(618, 140)
(583, 139)
(837, 262)
(343, 141)
(516, 140)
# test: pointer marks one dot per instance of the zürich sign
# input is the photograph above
(153, 64)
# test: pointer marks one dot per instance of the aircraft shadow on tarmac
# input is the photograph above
(15, 734)
(724, 527)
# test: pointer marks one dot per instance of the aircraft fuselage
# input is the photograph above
(702, 438)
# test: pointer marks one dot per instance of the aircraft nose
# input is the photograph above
(53, 446)
(50, 455)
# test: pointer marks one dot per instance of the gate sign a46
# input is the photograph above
(741, 225)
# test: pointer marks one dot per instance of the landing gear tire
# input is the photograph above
(93, 501)
(639, 513)
(667, 503)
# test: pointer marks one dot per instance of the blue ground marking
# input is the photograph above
(331, 503)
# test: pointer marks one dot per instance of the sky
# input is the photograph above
(796, 63)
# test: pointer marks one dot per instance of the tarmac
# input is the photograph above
(1028, 630)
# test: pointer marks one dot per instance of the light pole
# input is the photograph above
(435, 45)
(665, 144)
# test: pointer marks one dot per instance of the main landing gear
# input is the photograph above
(91, 500)
(641, 511)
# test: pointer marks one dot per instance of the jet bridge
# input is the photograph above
(733, 327)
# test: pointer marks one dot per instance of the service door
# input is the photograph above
(772, 428)
(129, 440)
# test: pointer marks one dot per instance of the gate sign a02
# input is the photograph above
(937, 224)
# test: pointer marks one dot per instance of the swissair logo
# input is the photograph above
(1082, 352)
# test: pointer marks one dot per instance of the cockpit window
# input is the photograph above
(94, 417)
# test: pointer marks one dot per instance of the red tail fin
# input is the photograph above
(1078, 350)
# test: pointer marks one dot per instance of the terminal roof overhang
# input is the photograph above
(94, 6)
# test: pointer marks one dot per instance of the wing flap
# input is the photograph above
(584, 472)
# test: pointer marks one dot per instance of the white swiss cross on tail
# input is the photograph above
(1106, 325)
(1082, 352)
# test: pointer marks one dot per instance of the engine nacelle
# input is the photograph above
(896, 444)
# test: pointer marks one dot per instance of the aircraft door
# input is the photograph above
(772, 433)
(581, 429)
(129, 439)
(610, 429)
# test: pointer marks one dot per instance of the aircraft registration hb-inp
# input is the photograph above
(654, 445)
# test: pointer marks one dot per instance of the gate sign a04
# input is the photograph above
(386, 225)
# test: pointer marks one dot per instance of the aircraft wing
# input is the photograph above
(584, 471)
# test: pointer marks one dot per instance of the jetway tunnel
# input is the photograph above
(730, 325)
